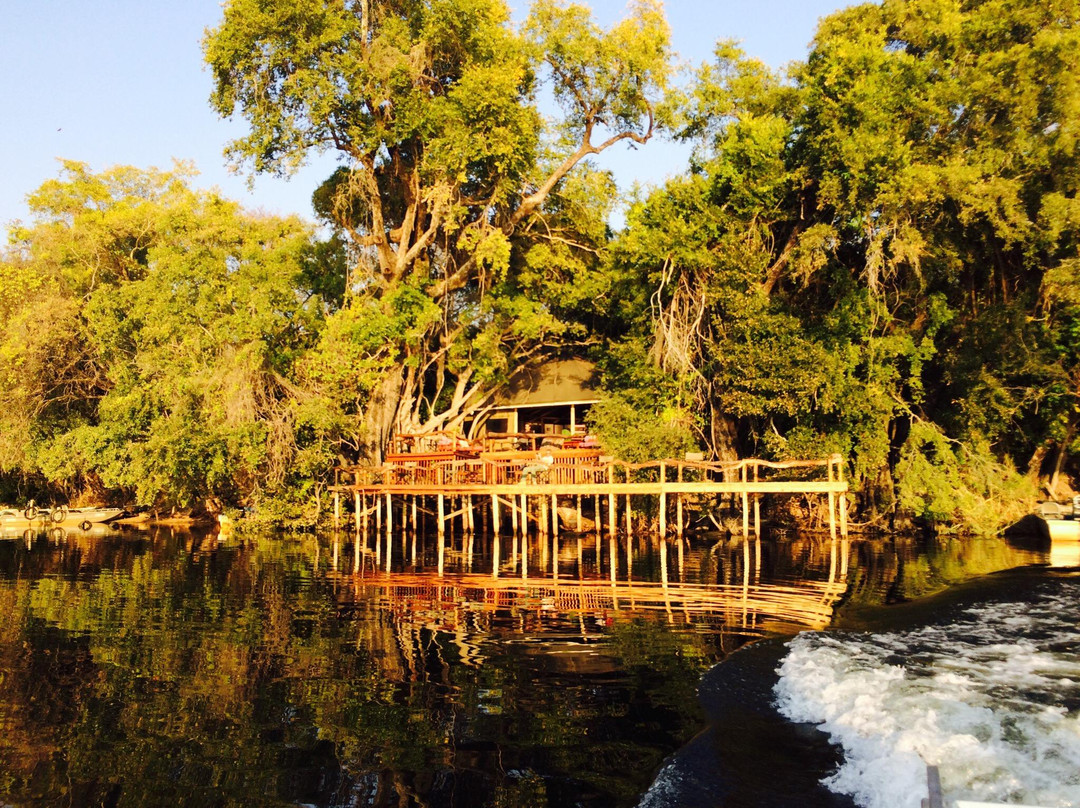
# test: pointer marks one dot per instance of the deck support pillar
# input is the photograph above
(757, 508)
(337, 509)
(843, 498)
(495, 515)
(389, 540)
(663, 499)
(832, 506)
(555, 516)
(442, 520)
(356, 510)
(611, 515)
(745, 506)
(389, 520)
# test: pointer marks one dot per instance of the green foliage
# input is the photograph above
(164, 370)
(944, 481)
(455, 190)
(887, 237)
(632, 429)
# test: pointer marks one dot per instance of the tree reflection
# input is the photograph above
(170, 669)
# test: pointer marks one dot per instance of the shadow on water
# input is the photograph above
(171, 667)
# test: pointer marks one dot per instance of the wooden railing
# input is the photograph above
(572, 467)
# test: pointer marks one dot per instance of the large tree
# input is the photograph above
(149, 335)
(877, 256)
(461, 204)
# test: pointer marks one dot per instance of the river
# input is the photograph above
(183, 668)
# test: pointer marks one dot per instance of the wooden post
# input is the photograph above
(757, 507)
(356, 508)
(611, 511)
(378, 514)
(745, 503)
(415, 514)
(663, 499)
(832, 504)
(545, 521)
(367, 516)
(843, 498)
(495, 554)
(513, 516)
(679, 507)
(555, 517)
(442, 519)
(389, 520)
(596, 517)
(389, 538)
(495, 514)
(525, 515)
(579, 513)
(471, 514)
(629, 524)
(337, 509)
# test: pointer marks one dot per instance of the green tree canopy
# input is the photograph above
(460, 207)
(150, 333)
(875, 256)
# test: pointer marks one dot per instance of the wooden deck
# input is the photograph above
(528, 487)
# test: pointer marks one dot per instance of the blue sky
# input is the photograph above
(114, 82)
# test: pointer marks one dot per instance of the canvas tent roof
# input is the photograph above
(563, 381)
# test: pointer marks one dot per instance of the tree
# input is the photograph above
(875, 256)
(452, 194)
(151, 333)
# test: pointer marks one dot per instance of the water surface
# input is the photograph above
(172, 668)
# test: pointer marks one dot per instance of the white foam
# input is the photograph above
(982, 698)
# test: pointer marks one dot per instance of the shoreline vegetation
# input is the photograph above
(873, 254)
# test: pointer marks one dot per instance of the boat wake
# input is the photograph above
(992, 698)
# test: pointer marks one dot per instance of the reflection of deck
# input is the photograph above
(806, 606)
(604, 584)
(528, 489)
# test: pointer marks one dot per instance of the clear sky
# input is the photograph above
(121, 82)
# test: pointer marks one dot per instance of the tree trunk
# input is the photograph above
(725, 437)
(1059, 460)
(381, 416)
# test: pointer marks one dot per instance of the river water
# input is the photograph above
(180, 668)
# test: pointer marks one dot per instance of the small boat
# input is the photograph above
(1062, 521)
(1056, 521)
(59, 516)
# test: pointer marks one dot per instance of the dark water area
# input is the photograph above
(176, 668)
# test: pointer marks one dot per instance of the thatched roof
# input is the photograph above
(559, 381)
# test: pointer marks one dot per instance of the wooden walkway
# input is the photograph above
(522, 489)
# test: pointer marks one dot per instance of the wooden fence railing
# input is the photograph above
(570, 467)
